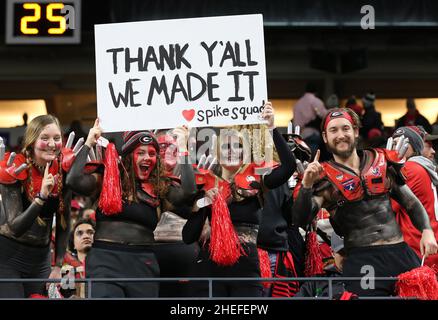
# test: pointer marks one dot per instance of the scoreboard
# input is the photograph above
(43, 22)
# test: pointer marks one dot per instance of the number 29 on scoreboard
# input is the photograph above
(43, 22)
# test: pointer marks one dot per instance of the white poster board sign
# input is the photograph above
(167, 73)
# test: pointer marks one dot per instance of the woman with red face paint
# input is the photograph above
(123, 240)
(242, 186)
(32, 190)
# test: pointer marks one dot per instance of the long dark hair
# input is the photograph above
(129, 185)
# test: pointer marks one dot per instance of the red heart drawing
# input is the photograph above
(188, 114)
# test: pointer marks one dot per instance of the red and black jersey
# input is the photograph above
(372, 180)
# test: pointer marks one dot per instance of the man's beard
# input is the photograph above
(343, 154)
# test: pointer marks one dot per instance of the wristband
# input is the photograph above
(40, 196)
(183, 154)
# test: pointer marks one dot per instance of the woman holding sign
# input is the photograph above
(32, 190)
(230, 249)
(132, 194)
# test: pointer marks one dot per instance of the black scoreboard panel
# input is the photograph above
(43, 22)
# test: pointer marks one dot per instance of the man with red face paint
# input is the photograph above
(123, 241)
(33, 192)
(355, 188)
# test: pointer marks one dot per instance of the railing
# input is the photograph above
(210, 281)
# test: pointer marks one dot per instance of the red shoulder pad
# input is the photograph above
(348, 184)
(7, 174)
(68, 157)
(391, 156)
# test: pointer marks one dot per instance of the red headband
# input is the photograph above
(336, 115)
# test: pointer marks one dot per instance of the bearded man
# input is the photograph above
(356, 187)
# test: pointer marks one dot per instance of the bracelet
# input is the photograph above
(40, 196)
(183, 154)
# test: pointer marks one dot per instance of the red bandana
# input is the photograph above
(336, 115)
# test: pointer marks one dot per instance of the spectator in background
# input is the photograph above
(81, 240)
(76, 127)
(89, 214)
(353, 105)
(422, 179)
(371, 119)
(75, 210)
(429, 147)
(332, 102)
(308, 112)
(413, 117)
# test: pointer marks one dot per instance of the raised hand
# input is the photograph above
(11, 169)
(182, 137)
(94, 134)
(48, 182)
(312, 172)
(208, 199)
(401, 147)
(268, 114)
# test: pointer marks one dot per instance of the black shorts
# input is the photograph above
(107, 260)
(246, 267)
(176, 260)
(20, 261)
(378, 261)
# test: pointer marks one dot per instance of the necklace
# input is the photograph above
(40, 168)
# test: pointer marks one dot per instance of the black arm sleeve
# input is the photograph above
(183, 194)
(413, 206)
(304, 208)
(19, 221)
(193, 228)
(281, 174)
(183, 211)
(77, 180)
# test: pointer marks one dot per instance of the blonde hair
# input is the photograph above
(257, 137)
(33, 131)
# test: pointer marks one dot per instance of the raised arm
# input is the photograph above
(184, 193)
(20, 221)
(282, 173)
(193, 228)
(307, 205)
(77, 180)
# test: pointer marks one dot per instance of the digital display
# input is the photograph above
(43, 22)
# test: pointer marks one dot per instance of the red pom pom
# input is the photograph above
(265, 266)
(225, 247)
(314, 265)
(110, 201)
(37, 296)
(420, 283)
